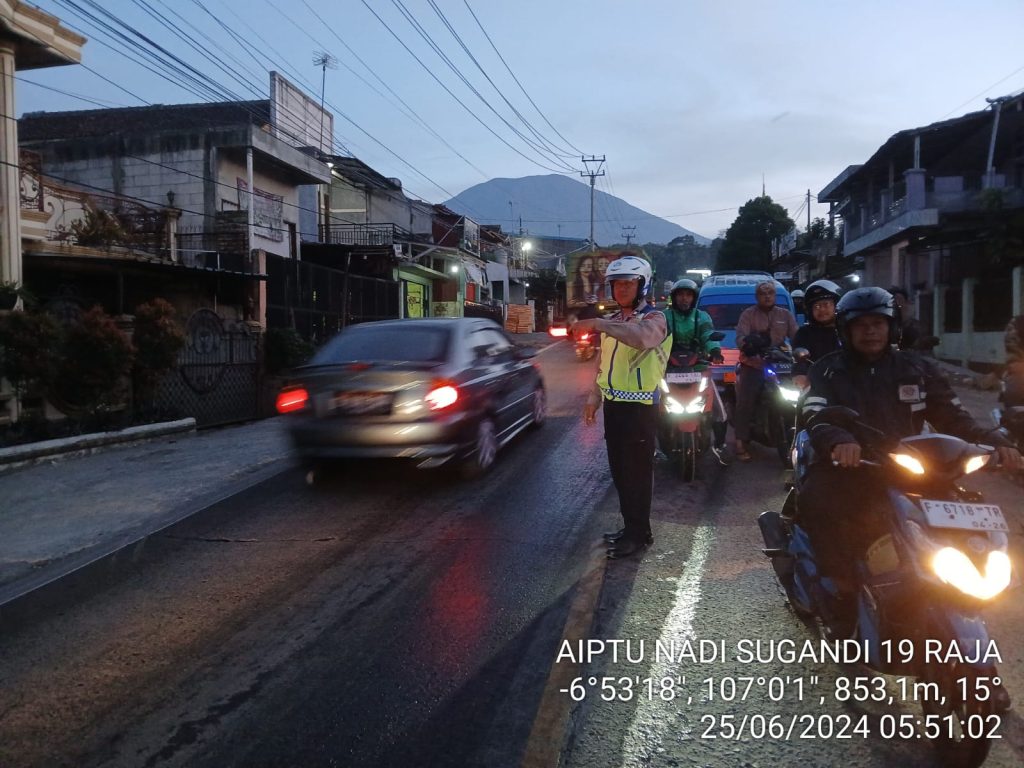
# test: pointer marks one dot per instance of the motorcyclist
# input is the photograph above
(799, 308)
(691, 330)
(894, 391)
(819, 335)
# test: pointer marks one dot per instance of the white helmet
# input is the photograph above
(630, 268)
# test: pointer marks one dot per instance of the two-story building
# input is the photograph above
(939, 210)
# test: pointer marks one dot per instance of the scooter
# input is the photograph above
(774, 421)
(687, 410)
(920, 586)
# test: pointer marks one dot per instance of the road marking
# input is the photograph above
(655, 719)
(551, 724)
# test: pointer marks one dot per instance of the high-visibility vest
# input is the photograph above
(628, 374)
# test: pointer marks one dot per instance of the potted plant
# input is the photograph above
(9, 294)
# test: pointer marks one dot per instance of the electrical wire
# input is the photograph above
(527, 95)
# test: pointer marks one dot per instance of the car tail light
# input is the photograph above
(442, 396)
(291, 400)
(558, 332)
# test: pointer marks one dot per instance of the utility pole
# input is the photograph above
(808, 210)
(593, 174)
(629, 233)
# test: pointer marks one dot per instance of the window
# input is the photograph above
(389, 343)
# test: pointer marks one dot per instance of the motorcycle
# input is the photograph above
(586, 346)
(774, 421)
(920, 586)
(687, 406)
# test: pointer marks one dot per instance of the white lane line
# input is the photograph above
(655, 719)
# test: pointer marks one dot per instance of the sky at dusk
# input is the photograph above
(692, 103)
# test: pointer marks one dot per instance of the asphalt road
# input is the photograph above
(389, 617)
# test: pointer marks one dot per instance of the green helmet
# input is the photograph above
(686, 284)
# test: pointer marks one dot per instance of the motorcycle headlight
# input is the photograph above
(664, 386)
(975, 463)
(674, 406)
(955, 568)
(790, 394)
(703, 384)
(696, 405)
(908, 462)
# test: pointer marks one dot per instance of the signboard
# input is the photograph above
(297, 119)
(585, 274)
(444, 309)
(413, 299)
(268, 211)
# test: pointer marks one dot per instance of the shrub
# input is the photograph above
(284, 349)
(29, 343)
(157, 340)
(95, 359)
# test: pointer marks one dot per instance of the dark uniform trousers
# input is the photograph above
(630, 430)
(844, 511)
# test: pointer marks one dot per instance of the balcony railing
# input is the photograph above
(364, 234)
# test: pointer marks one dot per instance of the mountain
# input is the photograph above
(544, 202)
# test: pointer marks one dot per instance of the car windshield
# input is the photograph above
(392, 343)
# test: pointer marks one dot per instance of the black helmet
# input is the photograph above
(867, 301)
(820, 290)
(686, 284)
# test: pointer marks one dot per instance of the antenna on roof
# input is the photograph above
(325, 61)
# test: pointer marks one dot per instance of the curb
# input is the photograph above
(33, 453)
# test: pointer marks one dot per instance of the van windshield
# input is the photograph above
(725, 316)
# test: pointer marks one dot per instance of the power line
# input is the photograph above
(550, 145)
(527, 95)
(979, 95)
(452, 94)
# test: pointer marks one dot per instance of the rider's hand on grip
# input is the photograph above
(846, 455)
(1009, 459)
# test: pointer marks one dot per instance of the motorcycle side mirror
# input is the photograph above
(801, 353)
(716, 336)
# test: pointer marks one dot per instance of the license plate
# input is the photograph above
(361, 403)
(683, 378)
(968, 517)
(782, 367)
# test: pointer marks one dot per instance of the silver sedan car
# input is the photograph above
(435, 391)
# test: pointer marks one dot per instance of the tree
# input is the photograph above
(748, 241)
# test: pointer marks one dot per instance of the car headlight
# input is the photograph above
(955, 568)
(790, 394)
(908, 462)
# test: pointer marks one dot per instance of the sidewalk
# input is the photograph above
(60, 515)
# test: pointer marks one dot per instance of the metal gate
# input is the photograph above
(218, 374)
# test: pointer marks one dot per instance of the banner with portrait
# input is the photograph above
(585, 274)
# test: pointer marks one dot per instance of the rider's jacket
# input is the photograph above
(819, 340)
(628, 373)
(691, 331)
(895, 394)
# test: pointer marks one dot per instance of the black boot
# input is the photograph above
(625, 547)
(612, 536)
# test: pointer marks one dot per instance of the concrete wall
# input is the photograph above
(228, 173)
